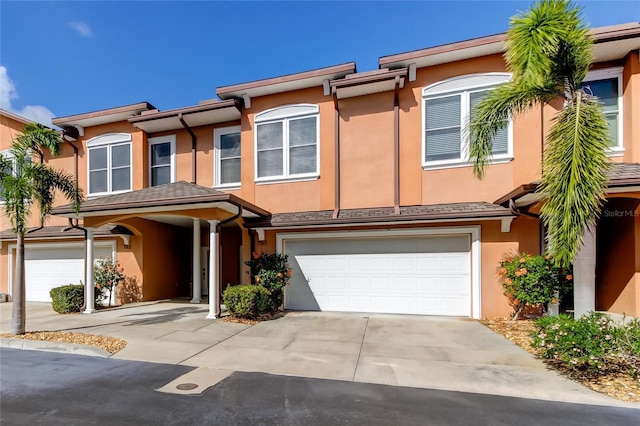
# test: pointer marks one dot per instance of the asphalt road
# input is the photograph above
(43, 388)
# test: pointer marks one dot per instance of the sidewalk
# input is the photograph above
(415, 351)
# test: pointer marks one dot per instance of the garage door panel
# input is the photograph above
(334, 275)
(54, 266)
(358, 283)
(380, 284)
(455, 263)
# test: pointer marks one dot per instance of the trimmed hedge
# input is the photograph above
(67, 298)
(246, 301)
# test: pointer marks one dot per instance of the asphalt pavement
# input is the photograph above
(45, 388)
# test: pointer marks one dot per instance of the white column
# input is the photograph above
(197, 281)
(584, 276)
(88, 281)
(214, 293)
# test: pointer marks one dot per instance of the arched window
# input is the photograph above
(286, 142)
(109, 164)
(448, 108)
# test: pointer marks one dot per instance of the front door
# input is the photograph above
(204, 270)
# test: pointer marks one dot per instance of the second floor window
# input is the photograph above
(287, 140)
(162, 160)
(448, 109)
(607, 86)
(109, 164)
(227, 156)
(7, 156)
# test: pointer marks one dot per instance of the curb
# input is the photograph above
(39, 345)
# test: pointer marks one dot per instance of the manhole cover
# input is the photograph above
(186, 386)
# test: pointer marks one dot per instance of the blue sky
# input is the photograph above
(64, 58)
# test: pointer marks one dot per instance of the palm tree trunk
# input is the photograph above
(18, 314)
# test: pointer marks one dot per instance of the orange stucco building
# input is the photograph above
(362, 178)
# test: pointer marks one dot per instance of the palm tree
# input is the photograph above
(38, 136)
(23, 183)
(548, 52)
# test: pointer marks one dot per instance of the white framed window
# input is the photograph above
(606, 84)
(162, 160)
(287, 143)
(109, 164)
(448, 108)
(6, 155)
(227, 150)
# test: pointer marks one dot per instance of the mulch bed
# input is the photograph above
(107, 343)
(616, 384)
(253, 321)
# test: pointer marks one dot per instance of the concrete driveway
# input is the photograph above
(426, 352)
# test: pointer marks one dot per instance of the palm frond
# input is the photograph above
(37, 136)
(492, 114)
(545, 36)
(574, 175)
(48, 181)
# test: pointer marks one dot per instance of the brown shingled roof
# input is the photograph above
(471, 210)
(65, 232)
(171, 194)
(620, 175)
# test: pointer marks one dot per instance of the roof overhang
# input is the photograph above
(368, 83)
(611, 43)
(286, 83)
(177, 196)
(104, 116)
(382, 216)
(15, 117)
(623, 177)
(212, 112)
(66, 232)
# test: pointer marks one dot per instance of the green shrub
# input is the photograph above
(246, 301)
(533, 281)
(272, 272)
(67, 298)
(628, 342)
(587, 344)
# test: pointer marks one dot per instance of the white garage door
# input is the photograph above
(53, 266)
(404, 275)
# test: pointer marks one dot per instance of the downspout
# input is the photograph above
(336, 160)
(219, 271)
(193, 147)
(396, 147)
(75, 173)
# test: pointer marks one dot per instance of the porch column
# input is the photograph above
(88, 281)
(197, 282)
(584, 275)
(214, 285)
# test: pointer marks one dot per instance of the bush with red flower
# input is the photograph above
(107, 275)
(534, 281)
(272, 272)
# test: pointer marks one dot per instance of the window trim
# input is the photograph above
(463, 90)
(171, 139)
(273, 116)
(8, 155)
(109, 140)
(604, 74)
(217, 135)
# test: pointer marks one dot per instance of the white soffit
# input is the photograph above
(365, 89)
(194, 119)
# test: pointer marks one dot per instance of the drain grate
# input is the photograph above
(186, 386)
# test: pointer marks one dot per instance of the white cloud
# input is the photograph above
(8, 92)
(82, 28)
